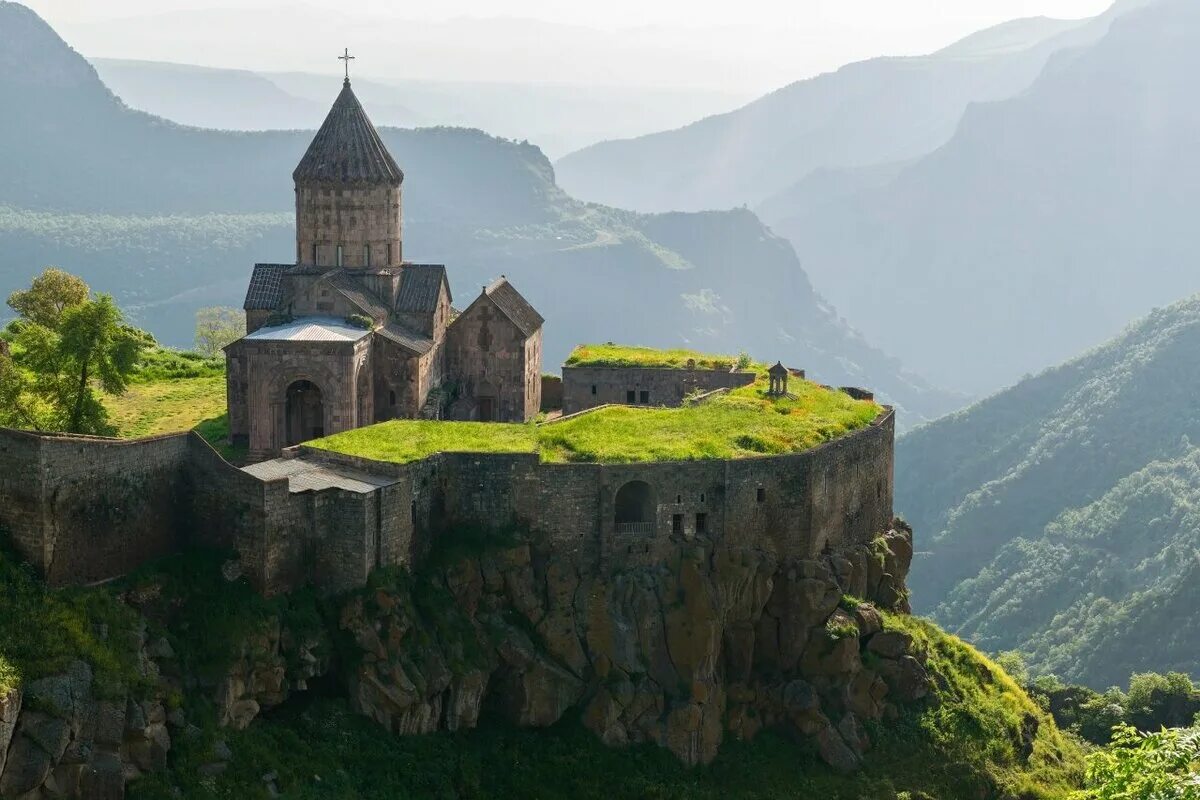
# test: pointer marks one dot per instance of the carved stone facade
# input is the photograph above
(351, 334)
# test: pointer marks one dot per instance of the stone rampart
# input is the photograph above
(86, 509)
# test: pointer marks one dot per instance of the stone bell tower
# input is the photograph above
(348, 194)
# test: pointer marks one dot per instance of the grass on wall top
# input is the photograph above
(619, 355)
(743, 423)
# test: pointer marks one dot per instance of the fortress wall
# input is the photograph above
(111, 505)
(21, 494)
(665, 387)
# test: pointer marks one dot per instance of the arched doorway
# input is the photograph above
(635, 508)
(305, 413)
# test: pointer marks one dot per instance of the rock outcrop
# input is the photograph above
(712, 640)
(703, 640)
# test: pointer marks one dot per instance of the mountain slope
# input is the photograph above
(1072, 203)
(873, 112)
(170, 218)
(559, 118)
(1059, 516)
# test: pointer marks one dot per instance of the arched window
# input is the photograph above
(635, 509)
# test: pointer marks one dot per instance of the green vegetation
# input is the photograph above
(1063, 516)
(43, 631)
(169, 406)
(745, 422)
(617, 355)
(1164, 765)
(64, 349)
(217, 327)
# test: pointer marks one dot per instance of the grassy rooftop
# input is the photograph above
(619, 355)
(745, 422)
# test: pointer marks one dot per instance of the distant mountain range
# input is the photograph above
(559, 118)
(169, 218)
(864, 114)
(1062, 516)
(1046, 223)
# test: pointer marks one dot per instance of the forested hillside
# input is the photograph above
(170, 218)
(1059, 517)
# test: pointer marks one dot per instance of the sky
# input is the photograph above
(747, 46)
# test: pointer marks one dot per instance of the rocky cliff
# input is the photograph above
(711, 643)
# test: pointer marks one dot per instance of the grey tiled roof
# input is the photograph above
(359, 295)
(347, 149)
(419, 287)
(413, 342)
(266, 287)
(515, 307)
(311, 476)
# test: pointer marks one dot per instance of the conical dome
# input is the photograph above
(347, 149)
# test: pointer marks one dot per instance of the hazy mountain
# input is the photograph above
(873, 112)
(559, 118)
(1067, 209)
(169, 218)
(1060, 516)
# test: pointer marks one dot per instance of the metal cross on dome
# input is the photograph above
(347, 58)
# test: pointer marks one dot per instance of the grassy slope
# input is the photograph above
(743, 423)
(171, 391)
(1058, 515)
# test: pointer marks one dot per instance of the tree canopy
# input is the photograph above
(65, 348)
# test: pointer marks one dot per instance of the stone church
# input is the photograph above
(351, 334)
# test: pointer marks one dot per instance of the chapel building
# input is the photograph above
(351, 334)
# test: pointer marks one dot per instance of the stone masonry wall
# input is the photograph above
(588, 387)
(85, 510)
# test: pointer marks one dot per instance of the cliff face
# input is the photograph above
(714, 640)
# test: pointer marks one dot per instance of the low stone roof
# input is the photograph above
(314, 476)
(310, 329)
(266, 287)
(413, 342)
(347, 149)
(359, 295)
(514, 306)
(420, 285)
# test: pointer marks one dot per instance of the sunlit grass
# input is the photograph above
(165, 406)
(744, 423)
(618, 355)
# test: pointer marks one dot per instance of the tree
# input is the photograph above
(217, 327)
(1146, 766)
(52, 293)
(62, 350)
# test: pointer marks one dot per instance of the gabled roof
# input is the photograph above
(398, 334)
(347, 149)
(266, 287)
(420, 285)
(779, 369)
(514, 306)
(363, 298)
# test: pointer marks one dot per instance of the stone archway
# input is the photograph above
(635, 508)
(304, 417)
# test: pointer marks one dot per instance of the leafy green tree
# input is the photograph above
(63, 350)
(52, 293)
(1146, 766)
(1155, 701)
(217, 327)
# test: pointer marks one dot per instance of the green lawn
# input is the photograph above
(743, 423)
(618, 355)
(166, 406)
